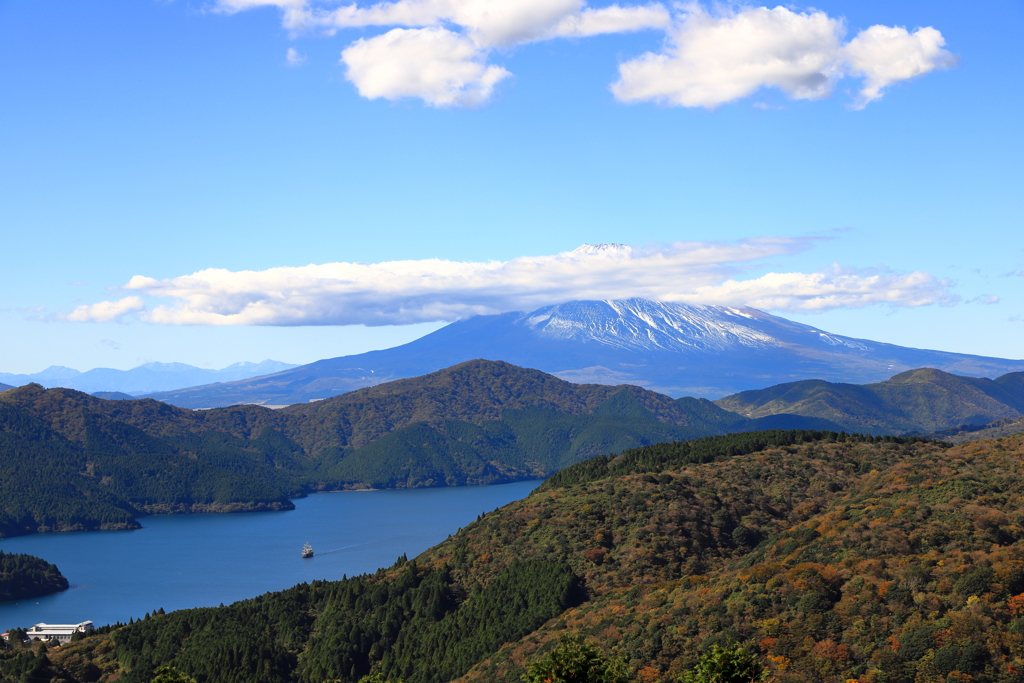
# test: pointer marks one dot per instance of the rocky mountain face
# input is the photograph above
(675, 349)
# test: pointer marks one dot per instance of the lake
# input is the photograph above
(182, 561)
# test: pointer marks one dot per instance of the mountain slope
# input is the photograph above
(77, 469)
(829, 559)
(923, 400)
(675, 349)
(69, 460)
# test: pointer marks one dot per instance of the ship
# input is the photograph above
(307, 550)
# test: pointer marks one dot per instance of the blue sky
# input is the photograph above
(163, 139)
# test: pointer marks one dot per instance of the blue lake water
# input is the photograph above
(181, 561)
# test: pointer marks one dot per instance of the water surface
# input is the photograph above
(181, 561)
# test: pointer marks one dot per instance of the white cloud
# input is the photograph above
(614, 19)
(708, 59)
(106, 311)
(713, 59)
(489, 23)
(232, 6)
(296, 13)
(835, 288)
(440, 67)
(404, 292)
(293, 58)
(438, 51)
(885, 55)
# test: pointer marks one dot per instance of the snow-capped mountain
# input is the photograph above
(642, 325)
(677, 349)
(608, 248)
(651, 326)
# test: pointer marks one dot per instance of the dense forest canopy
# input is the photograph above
(827, 557)
(25, 576)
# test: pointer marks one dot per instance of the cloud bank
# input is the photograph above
(710, 60)
(438, 50)
(429, 290)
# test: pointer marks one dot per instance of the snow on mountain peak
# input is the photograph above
(612, 248)
(641, 324)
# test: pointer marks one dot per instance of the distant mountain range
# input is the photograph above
(675, 349)
(143, 379)
(922, 401)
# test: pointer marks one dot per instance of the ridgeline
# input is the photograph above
(70, 461)
(923, 400)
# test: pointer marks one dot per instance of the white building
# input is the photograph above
(60, 632)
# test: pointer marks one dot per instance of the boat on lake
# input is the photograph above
(307, 551)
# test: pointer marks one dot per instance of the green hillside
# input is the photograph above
(924, 400)
(24, 576)
(828, 557)
(109, 472)
(70, 461)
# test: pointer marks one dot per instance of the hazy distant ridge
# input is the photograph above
(143, 379)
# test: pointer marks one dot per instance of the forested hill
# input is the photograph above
(5, 387)
(924, 400)
(73, 468)
(827, 557)
(72, 461)
(476, 392)
(25, 576)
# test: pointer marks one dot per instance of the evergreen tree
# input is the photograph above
(725, 665)
(575, 661)
(167, 674)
